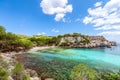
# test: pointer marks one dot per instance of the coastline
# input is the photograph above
(40, 48)
(46, 65)
(11, 57)
(34, 49)
(11, 54)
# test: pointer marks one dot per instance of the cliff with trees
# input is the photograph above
(77, 40)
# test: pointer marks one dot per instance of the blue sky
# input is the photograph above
(53, 17)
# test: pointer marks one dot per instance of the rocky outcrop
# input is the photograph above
(71, 39)
(8, 62)
(100, 41)
(85, 42)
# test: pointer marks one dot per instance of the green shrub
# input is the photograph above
(81, 72)
(18, 69)
(67, 35)
(19, 73)
(3, 74)
(23, 43)
(108, 76)
(26, 77)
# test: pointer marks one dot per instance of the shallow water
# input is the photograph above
(100, 56)
(58, 60)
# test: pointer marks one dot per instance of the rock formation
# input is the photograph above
(83, 41)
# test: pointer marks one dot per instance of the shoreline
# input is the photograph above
(11, 55)
(34, 49)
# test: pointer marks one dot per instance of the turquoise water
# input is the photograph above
(58, 61)
(108, 58)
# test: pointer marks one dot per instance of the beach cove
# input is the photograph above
(52, 62)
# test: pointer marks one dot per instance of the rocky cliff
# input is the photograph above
(84, 41)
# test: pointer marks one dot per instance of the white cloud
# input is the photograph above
(87, 20)
(111, 35)
(55, 31)
(59, 17)
(104, 17)
(41, 33)
(98, 4)
(59, 8)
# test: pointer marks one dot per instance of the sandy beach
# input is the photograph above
(40, 48)
(8, 55)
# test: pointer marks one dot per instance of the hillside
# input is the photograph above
(77, 40)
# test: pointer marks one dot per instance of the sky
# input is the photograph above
(54, 17)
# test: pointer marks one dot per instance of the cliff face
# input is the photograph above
(85, 41)
(71, 39)
(99, 41)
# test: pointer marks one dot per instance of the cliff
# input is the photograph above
(84, 41)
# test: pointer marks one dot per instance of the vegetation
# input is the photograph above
(108, 76)
(18, 73)
(17, 42)
(3, 74)
(58, 69)
(44, 40)
(18, 68)
(13, 42)
(86, 40)
(81, 72)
